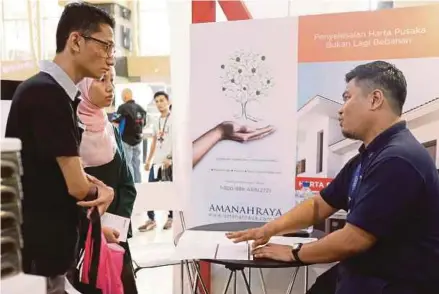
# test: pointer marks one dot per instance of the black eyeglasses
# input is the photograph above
(108, 47)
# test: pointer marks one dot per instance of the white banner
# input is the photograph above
(242, 120)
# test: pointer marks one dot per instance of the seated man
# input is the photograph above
(390, 243)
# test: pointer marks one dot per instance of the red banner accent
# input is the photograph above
(316, 184)
(235, 10)
(203, 11)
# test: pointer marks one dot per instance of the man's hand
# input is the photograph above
(147, 166)
(111, 235)
(167, 163)
(105, 197)
(260, 236)
(275, 252)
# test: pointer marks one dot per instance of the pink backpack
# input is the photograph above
(103, 262)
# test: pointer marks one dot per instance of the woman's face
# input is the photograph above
(102, 91)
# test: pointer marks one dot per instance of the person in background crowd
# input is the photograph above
(390, 243)
(43, 117)
(161, 151)
(102, 154)
(133, 119)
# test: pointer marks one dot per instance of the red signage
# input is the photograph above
(316, 184)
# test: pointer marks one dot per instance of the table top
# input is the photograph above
(255, 263)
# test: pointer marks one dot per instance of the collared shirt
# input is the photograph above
(395, 197)
(60, 77)
(43, 116)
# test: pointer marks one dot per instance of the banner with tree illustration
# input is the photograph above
(242, 120)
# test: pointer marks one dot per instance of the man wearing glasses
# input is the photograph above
(43, 116)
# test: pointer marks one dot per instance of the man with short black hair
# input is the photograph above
(390, 243)
(159, 160)
(134, 120)
(43, 116)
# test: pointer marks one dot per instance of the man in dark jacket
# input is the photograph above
(133, 118)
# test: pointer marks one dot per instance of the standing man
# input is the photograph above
(390, 243)
(161, 151)
(43, 116)
(134, 117)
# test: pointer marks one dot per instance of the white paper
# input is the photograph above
(118, 223)
(210, 245)
(239, 251)
(205, 236)
(195, 251)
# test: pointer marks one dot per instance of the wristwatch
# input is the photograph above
(295, 251)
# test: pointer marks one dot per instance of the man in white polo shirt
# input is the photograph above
(159, 161)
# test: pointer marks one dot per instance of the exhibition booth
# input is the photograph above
(273, 88)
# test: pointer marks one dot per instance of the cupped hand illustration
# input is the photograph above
(242, 133)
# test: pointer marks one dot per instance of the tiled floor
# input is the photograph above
(150, 248)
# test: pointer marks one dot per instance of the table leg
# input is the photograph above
(198, 274)
(228, 282)
(293, 280)
(250, 276)
(247, 285)
(234, 282)
(194, 285)
(261, 276)
(189, 274)
(306, 279)
(182, 276)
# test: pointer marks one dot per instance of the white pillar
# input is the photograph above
(180, 18)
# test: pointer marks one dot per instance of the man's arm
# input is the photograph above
(337, 246)
(152, 151)
(75, 177)
(331, 199)
(308, 213)
(381, 208)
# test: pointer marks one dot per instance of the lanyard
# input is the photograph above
(162, 131)
(355, 179)
(164, 124)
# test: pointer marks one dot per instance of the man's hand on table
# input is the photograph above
(275, 252)
(260, 236)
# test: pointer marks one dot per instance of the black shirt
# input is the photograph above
(391, 190)
(43, 117)
(135, 120)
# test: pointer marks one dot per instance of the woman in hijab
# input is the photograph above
(102, 155)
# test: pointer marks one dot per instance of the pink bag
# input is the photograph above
(103, 262)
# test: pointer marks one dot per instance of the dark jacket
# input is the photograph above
(116, 174)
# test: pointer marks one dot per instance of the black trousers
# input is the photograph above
(325, 283)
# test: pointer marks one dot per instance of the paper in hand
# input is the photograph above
(118, 223)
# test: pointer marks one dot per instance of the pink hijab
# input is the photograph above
(98, 144)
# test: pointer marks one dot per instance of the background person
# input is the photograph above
(102, 154)
(161, 152)
(390, 243)
(43, 117)
(134, 120)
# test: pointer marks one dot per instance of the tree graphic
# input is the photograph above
(246, 78)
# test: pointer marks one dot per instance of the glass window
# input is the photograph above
(148, 5)
(14, 9)
(50, 8)
(48, 40)
(17, 40)
(154, 33)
